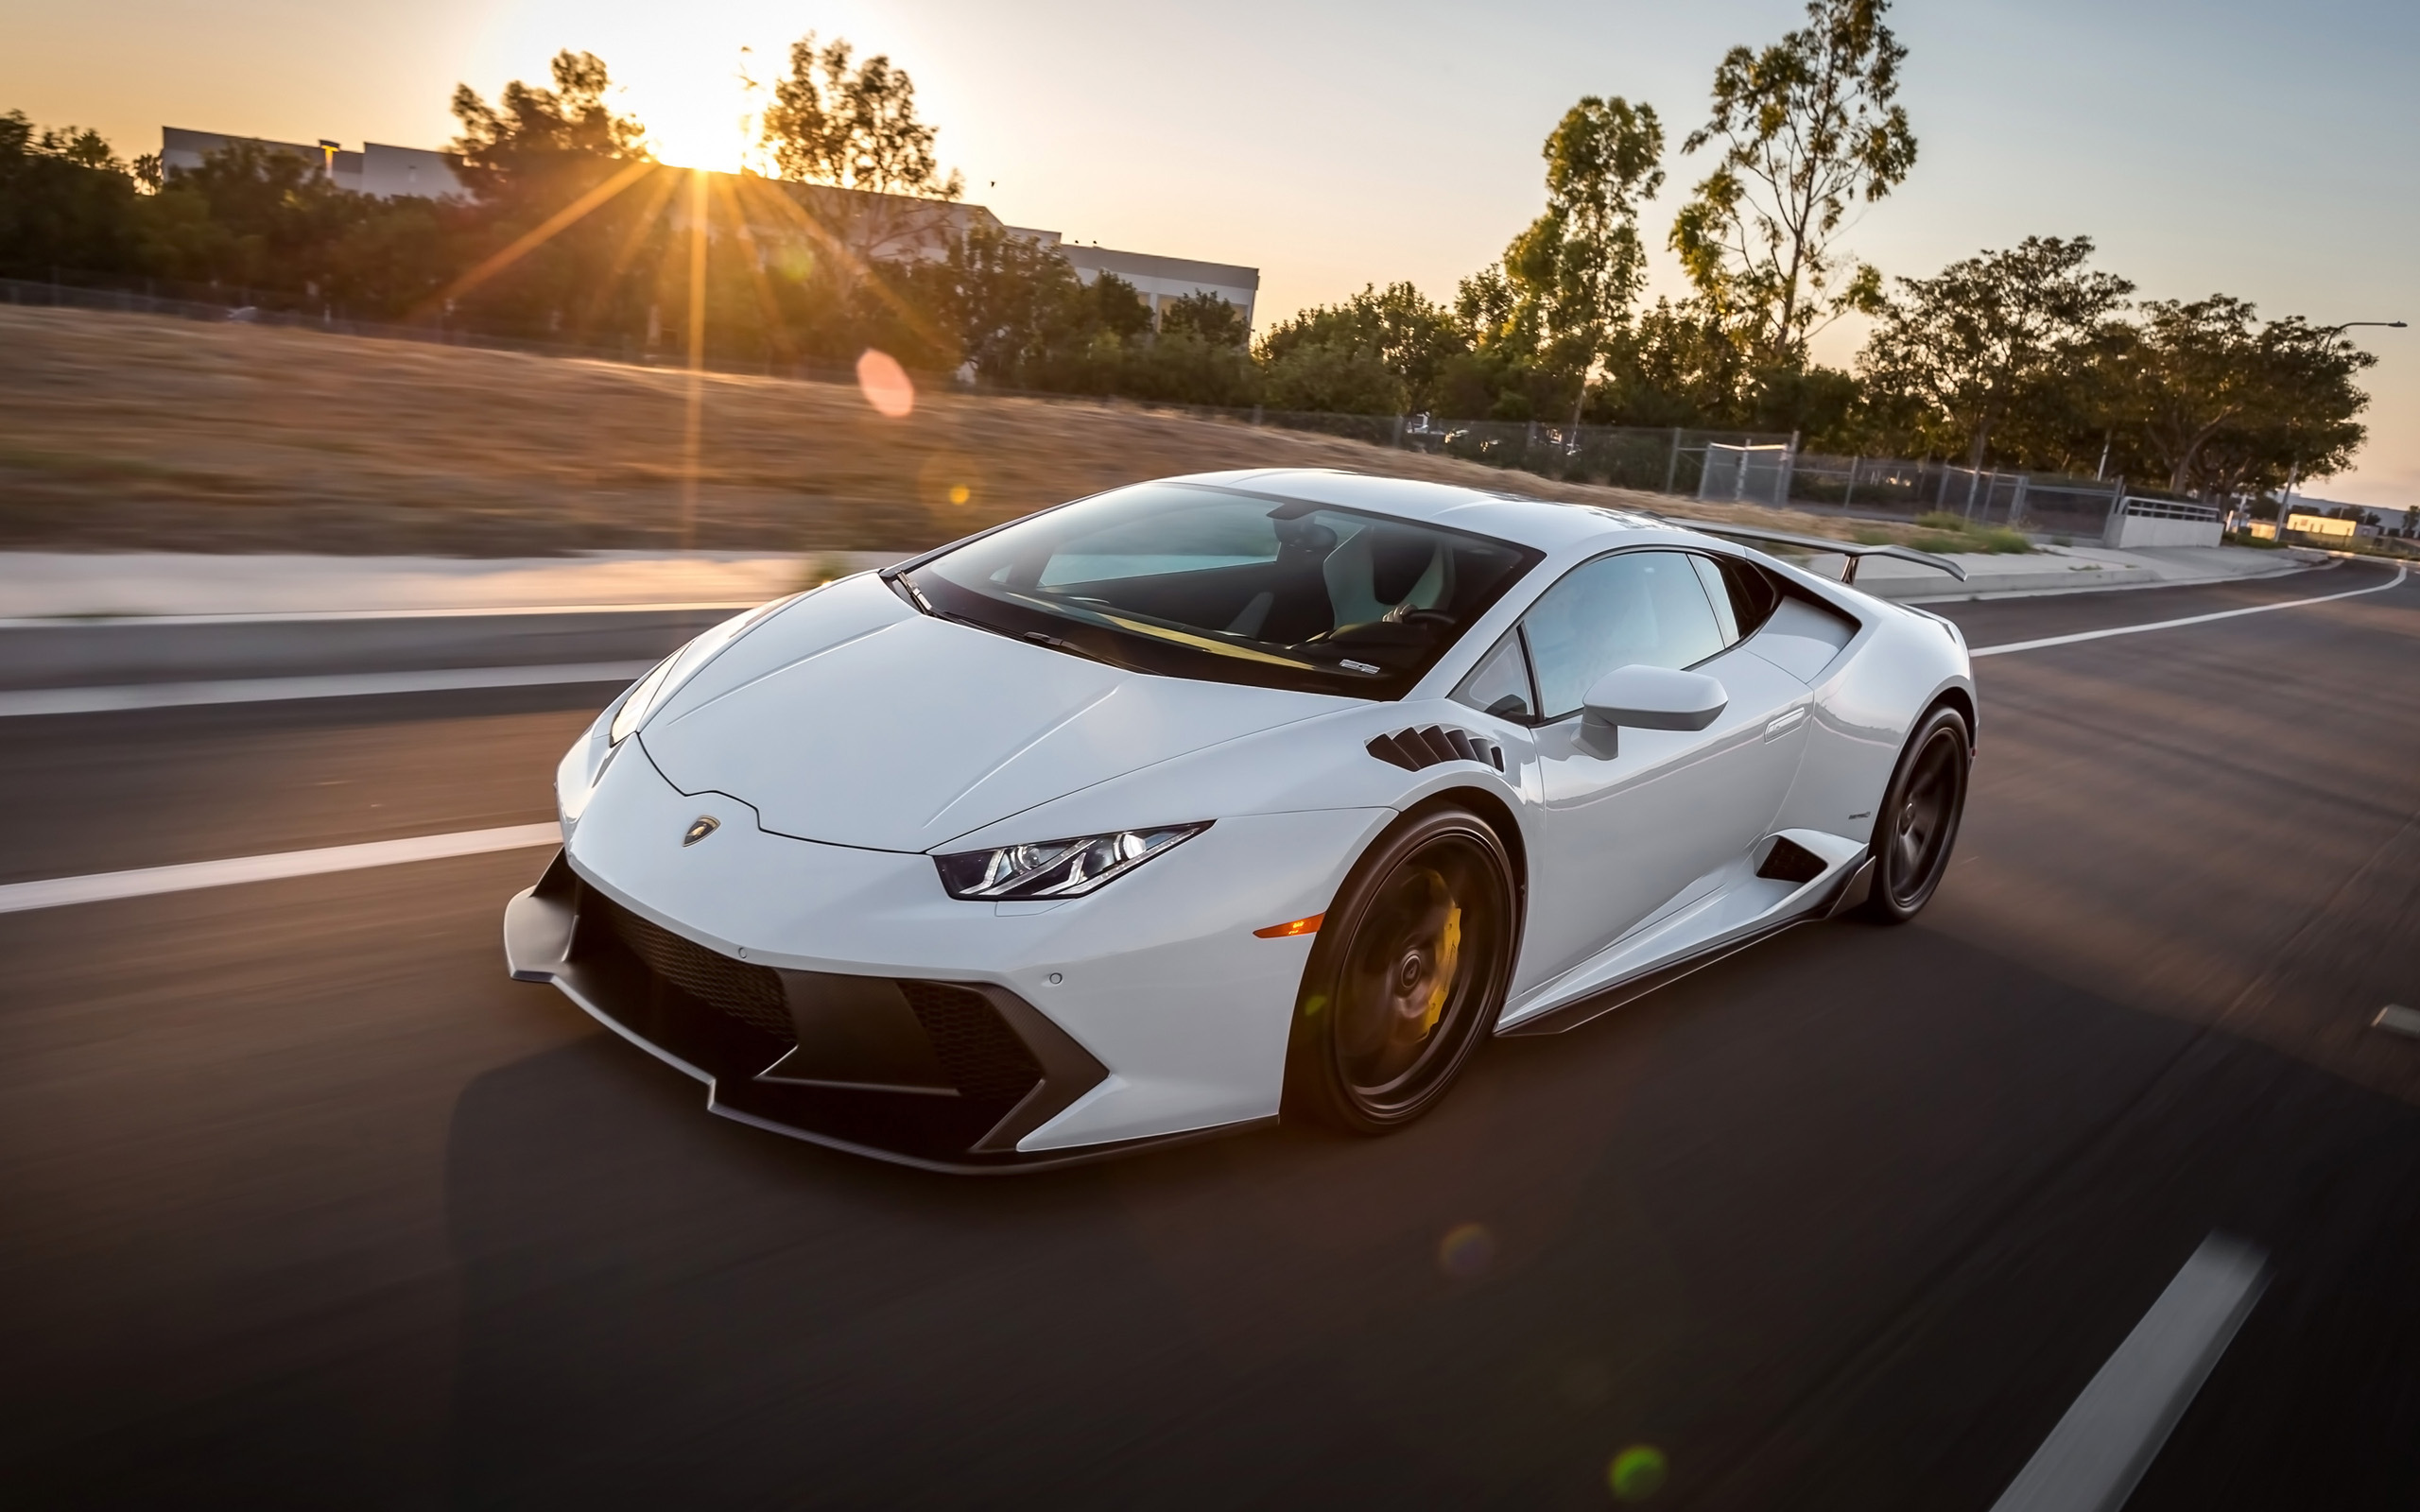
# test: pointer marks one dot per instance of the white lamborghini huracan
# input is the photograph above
(1194, 803)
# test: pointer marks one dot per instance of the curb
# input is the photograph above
(2056, 589)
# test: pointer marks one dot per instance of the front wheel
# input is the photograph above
(1409, 971)
(1917, 823)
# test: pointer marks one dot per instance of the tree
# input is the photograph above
(1397, 327)
(1332, 379)
(1199, 356)
(2223, 403)
(2296, 418)
(1207, 316)
(1024, 320)
(1674, 365)
(1577, 268)
(1975, 341)
(853, 127)
(1007, 291)
(559, 237)
(1484, 303)
(65, 202)
(248, 214)
(2192, 372)
(1806, 127)
(531, 126)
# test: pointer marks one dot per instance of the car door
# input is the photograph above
(1624, 834)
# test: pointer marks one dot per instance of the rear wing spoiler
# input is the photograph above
(1854, 551)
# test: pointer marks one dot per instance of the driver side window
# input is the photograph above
(1643, 607)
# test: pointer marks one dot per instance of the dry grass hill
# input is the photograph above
(131, 432)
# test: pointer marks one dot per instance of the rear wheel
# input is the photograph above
(1409, 972)
(1917, 824)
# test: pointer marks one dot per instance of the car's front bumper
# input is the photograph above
(839, 995)
(945, 1075)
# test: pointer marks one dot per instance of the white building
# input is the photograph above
(872, 226)
(389, 172)
(1158, 278)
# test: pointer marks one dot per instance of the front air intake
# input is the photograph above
(1413, 749)
(980, 1054)
(751, 994)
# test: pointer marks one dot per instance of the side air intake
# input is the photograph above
(1790, 862)
(1413, 749)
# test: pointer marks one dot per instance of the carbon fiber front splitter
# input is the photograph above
(855, 1073)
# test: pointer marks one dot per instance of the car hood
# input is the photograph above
(851, 719)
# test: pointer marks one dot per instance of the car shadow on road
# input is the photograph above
(1838, 1222)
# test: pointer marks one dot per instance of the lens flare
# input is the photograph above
(1636, 1473)
(886, 386)
(1466, 1252)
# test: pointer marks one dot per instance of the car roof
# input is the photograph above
(1543, 524)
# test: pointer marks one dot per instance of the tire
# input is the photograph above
(1917, 827)
(1407, 976)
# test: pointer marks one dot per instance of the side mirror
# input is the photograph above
(1650, 698)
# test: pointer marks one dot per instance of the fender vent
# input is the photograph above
(1412, 749)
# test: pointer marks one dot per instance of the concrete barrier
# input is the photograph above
(83, 653)
(2162, 522)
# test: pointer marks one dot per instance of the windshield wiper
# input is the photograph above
(1054, 643)
(901, 584)
(908, 588)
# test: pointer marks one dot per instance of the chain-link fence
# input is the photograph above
(2077, 510)
(1747, 472)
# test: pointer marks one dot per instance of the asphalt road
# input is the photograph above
(302, 1203)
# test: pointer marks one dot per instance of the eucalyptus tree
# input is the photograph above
(1805, 129)
(1575, 270)
(852, 126)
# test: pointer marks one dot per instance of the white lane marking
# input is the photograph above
(2191, 619)
(103, 887)
(110, 700)
(309, 616)
(2397, 1019)
(2110, 1436)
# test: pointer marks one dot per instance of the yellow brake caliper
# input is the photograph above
(1449, 950)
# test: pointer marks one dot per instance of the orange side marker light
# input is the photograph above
(1300, 926)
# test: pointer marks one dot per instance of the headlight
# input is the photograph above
(1057, 868)
(669, 674)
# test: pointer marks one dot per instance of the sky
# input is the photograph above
(2265, 150)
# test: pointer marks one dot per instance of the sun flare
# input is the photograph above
(708, 123)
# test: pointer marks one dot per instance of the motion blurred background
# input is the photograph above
(382, 388)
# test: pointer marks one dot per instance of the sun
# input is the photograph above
(702, 123)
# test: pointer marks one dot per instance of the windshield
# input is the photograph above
(1192, 581)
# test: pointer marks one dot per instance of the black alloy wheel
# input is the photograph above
(1917, 824)
(1409, 973)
